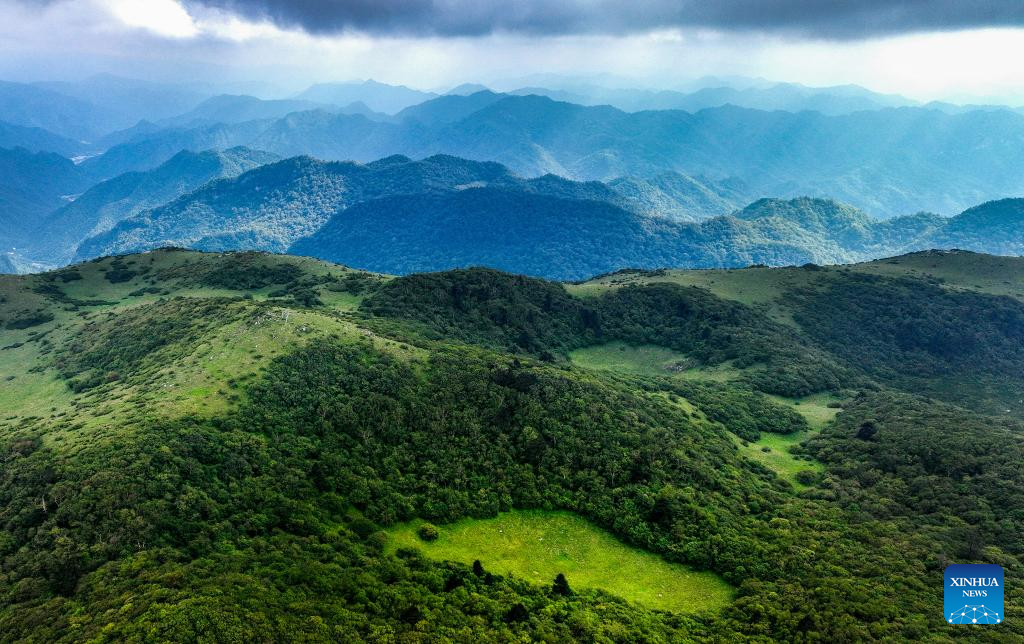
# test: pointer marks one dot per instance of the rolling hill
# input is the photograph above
(264, 447)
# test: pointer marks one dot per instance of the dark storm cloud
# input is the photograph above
(835, 19)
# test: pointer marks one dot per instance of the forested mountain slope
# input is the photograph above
(108, 203)
(396, 215)
(229, 439)
(34, 184)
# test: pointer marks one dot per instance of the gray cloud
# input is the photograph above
(830, 19)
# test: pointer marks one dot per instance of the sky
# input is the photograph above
(957, 50)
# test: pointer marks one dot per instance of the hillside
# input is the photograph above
(33, 185)
(993, 227)
(270, 207)
(35, 139)
(106, 204)
(683, 198)
(238, 442)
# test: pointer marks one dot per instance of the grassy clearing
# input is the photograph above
(649, 360)
(779, 458)
(758, 287)
(645, 360)
(956, 270)
(814, 408)
(536, 545)
(774, 451)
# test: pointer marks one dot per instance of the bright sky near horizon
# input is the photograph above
(919, 48)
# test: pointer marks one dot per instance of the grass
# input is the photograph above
(644, 360)
(649, 360)
(202, 378)
(536, 545)
(779, 456)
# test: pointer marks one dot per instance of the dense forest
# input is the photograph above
(215, 446)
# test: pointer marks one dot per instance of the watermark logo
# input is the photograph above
(974, 594)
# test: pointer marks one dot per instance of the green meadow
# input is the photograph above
(536, 545)
(774, 451)
(649, 360)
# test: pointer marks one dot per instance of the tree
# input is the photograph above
(478, 568)
(517, 613)
(561, 586)
(867, 430)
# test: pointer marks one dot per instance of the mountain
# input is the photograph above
(400, 216)
(509, 230)
(32, 106)
(681, 197)
(886, 162)
(228, 109)
(789, 97)
(130, 100)
(270, 207)
(260, 447)
(994, 227)
(35, 139)
(379, 97)
(450, 108)
(150, 146)
(571, 239)
(34, 184)
(465, 89)
(106, 204)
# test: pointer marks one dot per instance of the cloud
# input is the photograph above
(825, 19)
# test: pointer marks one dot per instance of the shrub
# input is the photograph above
(428, 532)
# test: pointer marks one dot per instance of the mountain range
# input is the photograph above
(401, 216)
(886, 162)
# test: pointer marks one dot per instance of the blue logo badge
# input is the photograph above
(974, 594)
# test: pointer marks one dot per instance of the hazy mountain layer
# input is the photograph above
(32, 185)
(887, 162)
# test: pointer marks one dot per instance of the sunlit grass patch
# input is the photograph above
(537, 545)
